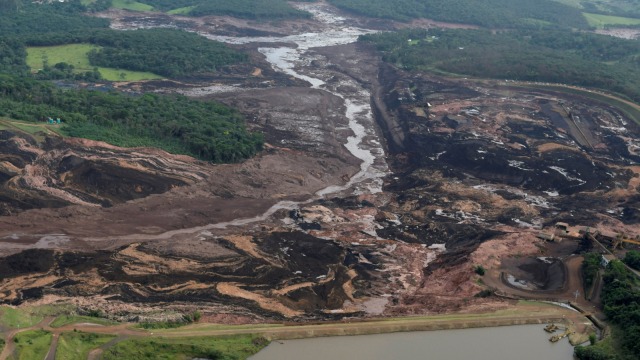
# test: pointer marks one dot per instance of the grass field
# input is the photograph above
(601, 21)
(181, 11)
(25, 316)
(33, 344)
(110, 74)
(76, 55)
(131, 5)
(36, 130)
(72, 54)
(63, 320)
(77, 345)
(18, 318)
(231, 347)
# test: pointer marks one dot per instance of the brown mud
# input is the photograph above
(477, 168)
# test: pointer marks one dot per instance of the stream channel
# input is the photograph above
(296, 60)
(524, 342)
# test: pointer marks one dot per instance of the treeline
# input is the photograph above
(58, 17)
(632, 259)
(625, 8)
(621, 301)
(248, 9)
(590, 267)
(547, 56)
(206, 130)
(166, 52)
(12, 57)
(498, 14)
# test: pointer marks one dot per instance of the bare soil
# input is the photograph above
(476, 170)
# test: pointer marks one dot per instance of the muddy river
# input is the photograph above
(294, 55)
(524, 342)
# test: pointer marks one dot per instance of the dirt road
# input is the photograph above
(518, 314)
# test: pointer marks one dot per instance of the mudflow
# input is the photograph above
(378, 191)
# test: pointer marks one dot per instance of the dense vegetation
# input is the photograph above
(207, 130)
(161, 51)
(489, 13)
(632, 258)
(621, 300)
(63, 18)
(590, 268)
(609, 7)
(9, 6)
(167, 52)
(12, 56)
(228, 348)
(548, 56)
(248, 9)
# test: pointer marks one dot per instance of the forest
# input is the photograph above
(203, 129)
(580, 59)
(206, 130)
(498, 14)
(32, 18)
(166, 52)
(248, 9)
(632, 259)
(621, 300)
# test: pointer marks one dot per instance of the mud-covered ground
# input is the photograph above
(473, 170)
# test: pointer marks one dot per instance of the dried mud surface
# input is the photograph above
(475, 170)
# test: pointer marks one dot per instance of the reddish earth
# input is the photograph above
(476, 169)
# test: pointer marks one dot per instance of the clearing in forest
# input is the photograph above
(600, 21)
(76, 55)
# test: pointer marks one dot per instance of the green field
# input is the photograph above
(231, 348)
(32, 344)
(601, 21)
(181, 11)
(73, 54)
(74, 319)
(37, 132)
(77, 345)
(26, 316)
(18, 318)
(131, 5)
(76, 55)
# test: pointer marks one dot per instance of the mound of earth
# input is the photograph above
(57, 172)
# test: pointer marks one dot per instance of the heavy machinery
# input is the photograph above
(618, 241)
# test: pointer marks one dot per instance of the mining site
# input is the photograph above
(378, 193)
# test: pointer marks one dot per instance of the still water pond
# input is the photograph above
(523, 342)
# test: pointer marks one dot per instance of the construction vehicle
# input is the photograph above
(617, 242)
(556, 338)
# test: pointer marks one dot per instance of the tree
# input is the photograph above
(9, 5)
(632, 258)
